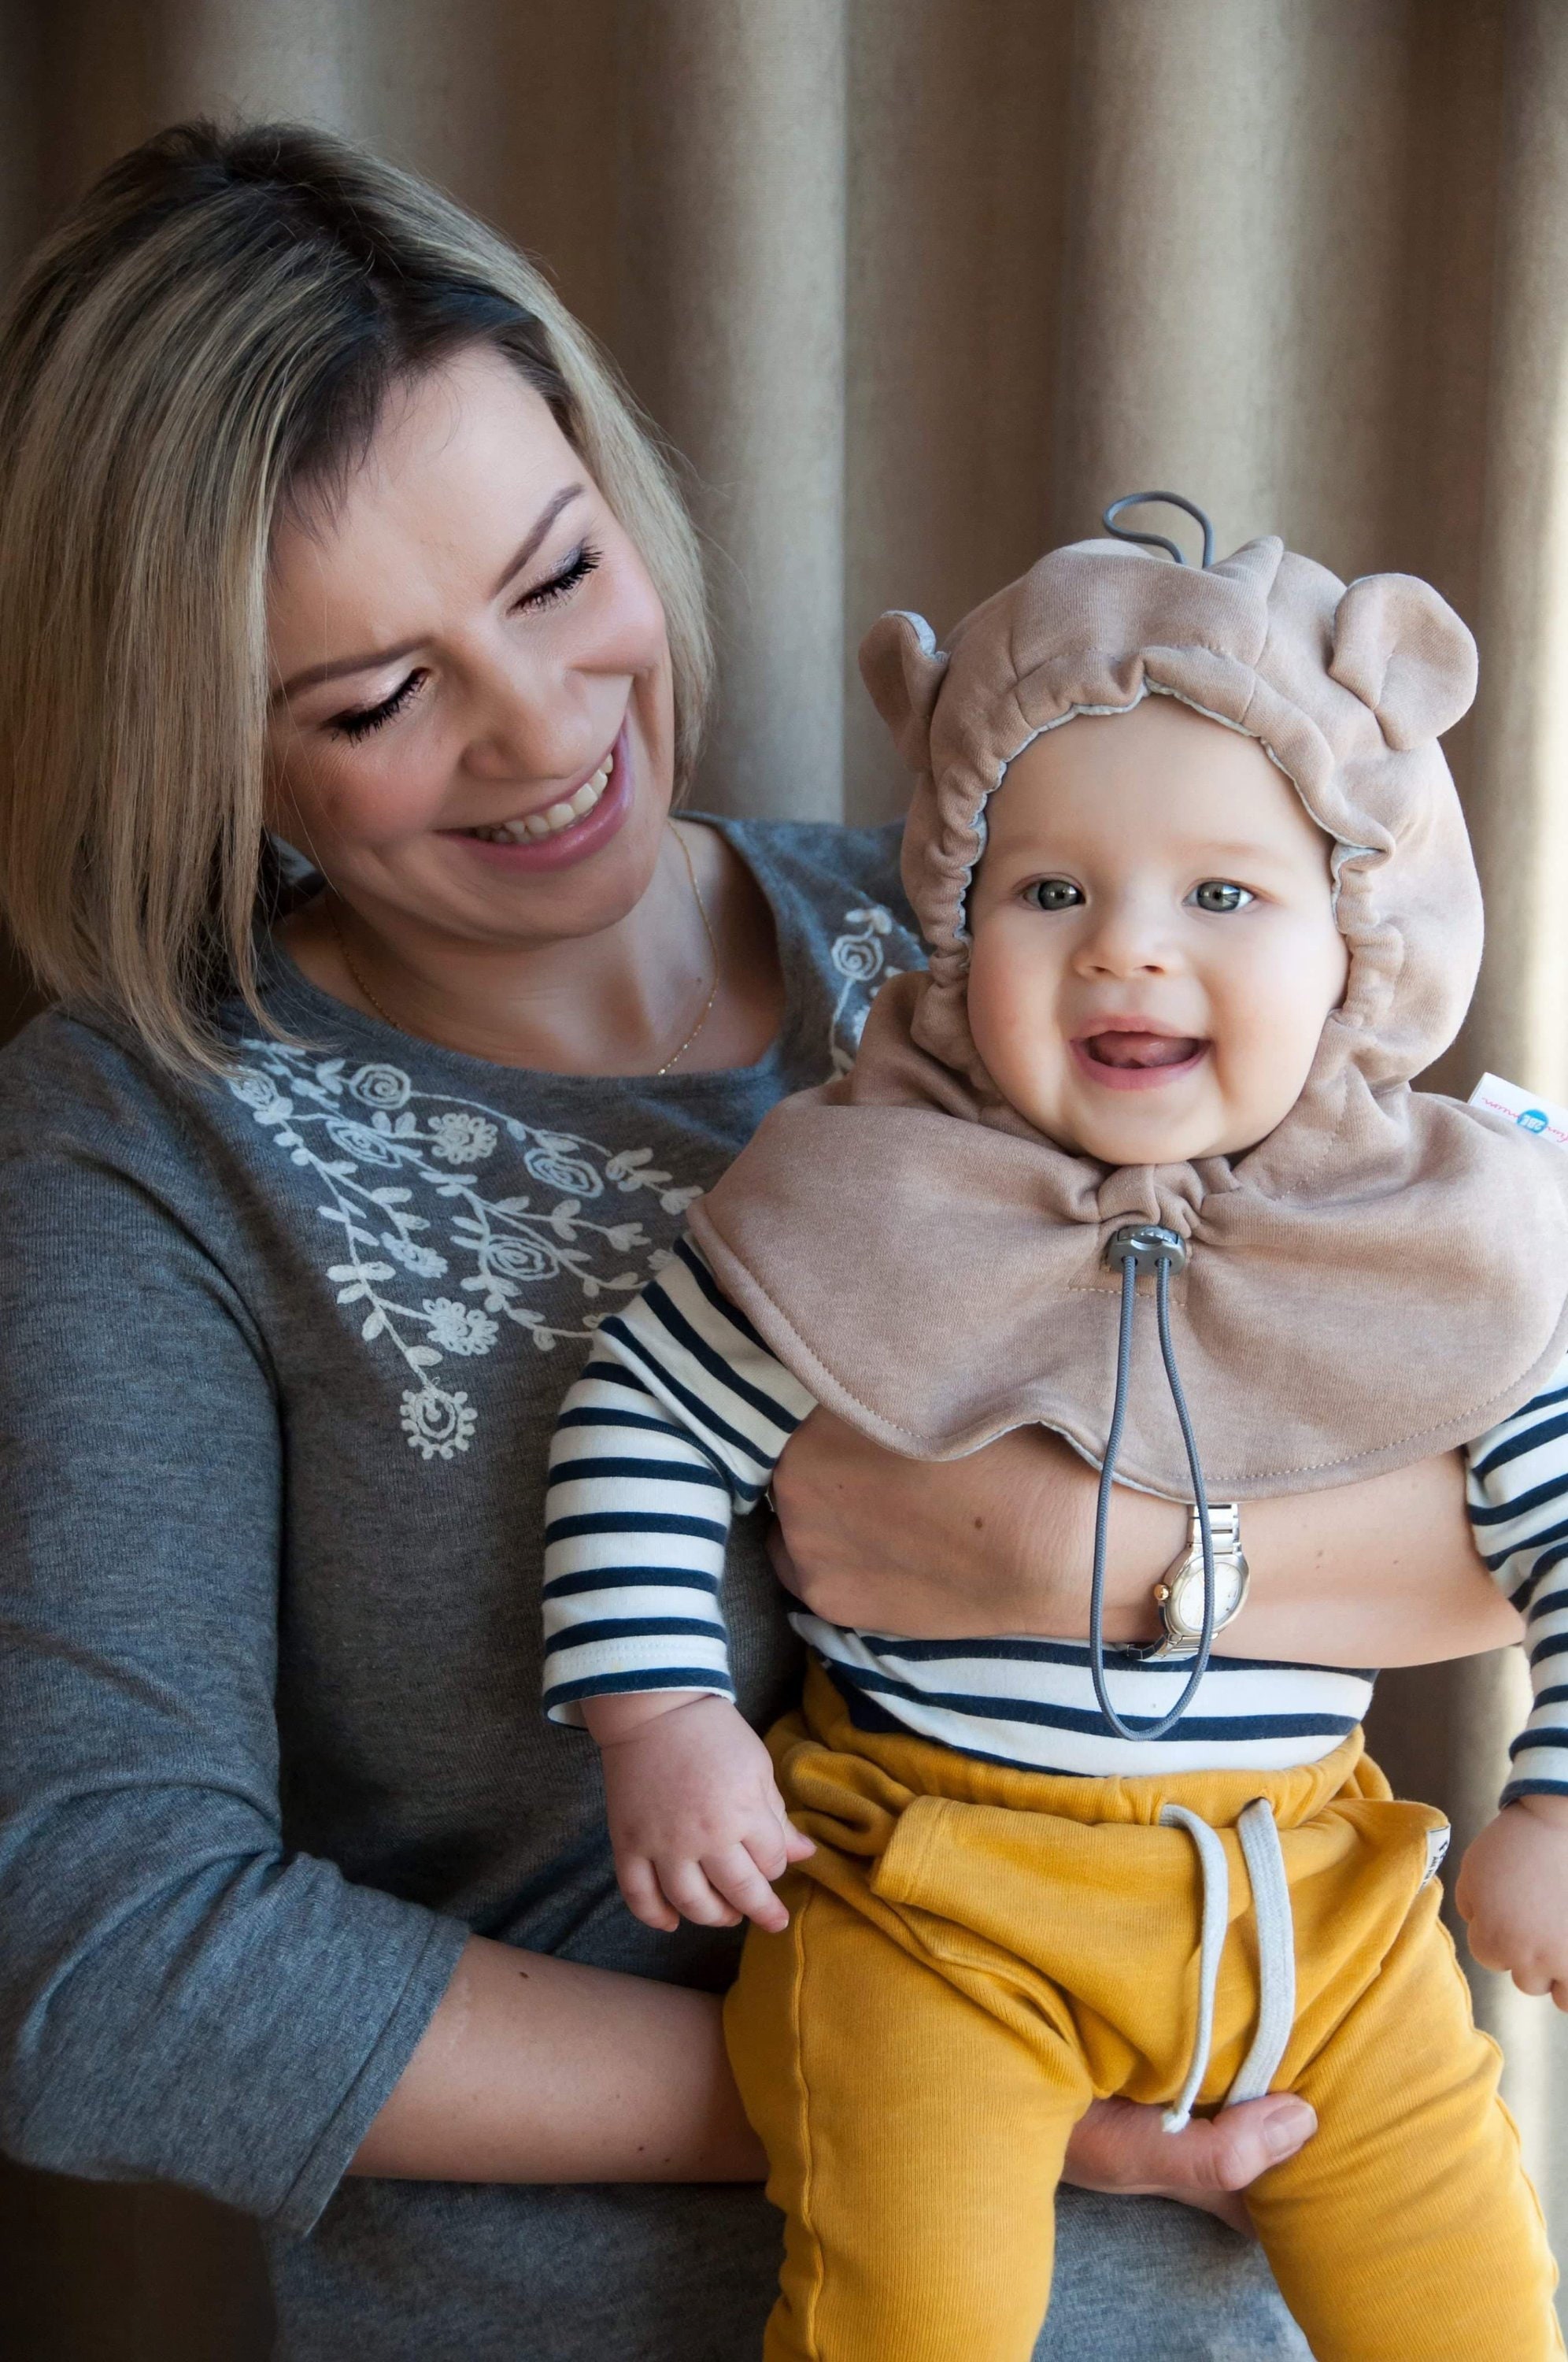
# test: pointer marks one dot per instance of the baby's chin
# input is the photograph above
(1150, 1139)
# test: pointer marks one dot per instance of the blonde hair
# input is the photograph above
(214, 327)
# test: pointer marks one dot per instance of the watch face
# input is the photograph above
(1186, 1604)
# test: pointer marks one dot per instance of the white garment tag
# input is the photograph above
(1437, 1846)
(1530, 1114)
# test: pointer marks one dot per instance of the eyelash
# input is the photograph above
(357, 725)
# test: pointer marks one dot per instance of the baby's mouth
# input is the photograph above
(1140, 1049)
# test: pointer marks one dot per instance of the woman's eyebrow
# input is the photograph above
(312, 676)
(545, 519)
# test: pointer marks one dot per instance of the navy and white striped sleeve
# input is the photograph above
(1517, 1491)
(679, 1418)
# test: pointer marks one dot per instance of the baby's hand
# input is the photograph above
(1512, 1894)
(696, 1819)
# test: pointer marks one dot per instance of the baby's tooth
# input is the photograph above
(538, 825)
(559, 815)
(585, 797)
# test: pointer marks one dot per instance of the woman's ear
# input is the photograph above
(1402, 650)
(902, 668)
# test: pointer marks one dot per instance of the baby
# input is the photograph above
(1199, 903)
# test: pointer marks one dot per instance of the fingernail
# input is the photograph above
(1289, 2127)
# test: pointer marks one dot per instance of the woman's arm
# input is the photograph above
(184, 1996)
(1381, 1573)
(534, 2069)
(537, 2070)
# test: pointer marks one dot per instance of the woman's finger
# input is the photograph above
(640, 1892)
(686, 1886)
(1120, 2147)
(737, 1876)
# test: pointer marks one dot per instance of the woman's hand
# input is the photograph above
(1380, 1573)
(1125, 2150)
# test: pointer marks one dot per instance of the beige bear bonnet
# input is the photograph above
(1384, 1277)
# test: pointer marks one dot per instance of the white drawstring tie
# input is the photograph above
(1277, 1953)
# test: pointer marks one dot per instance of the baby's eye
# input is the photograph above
(1220, 894)
(1054, 894)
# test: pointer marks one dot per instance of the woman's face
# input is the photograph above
(471, 717)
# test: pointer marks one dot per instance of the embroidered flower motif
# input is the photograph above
(423, 1260)
(381, 1087)
(862, 960)
(359, 1141)
(255, 1090)
(458, 1329)
(438, 1424)
(517, 1258)
(460, 1138)
(550, 1164)
(860, 956)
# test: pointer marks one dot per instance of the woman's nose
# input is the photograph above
(527, 723)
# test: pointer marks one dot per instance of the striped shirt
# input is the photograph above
(677, 1424)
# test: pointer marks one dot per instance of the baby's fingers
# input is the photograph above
(640, 1894)
(687, 1886)
(735, 1874)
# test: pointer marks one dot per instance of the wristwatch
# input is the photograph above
(1179, 1592)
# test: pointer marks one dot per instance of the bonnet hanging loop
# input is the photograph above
(1140, 1249)
(1158, 540)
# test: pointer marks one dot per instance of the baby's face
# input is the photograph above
(1154, 946)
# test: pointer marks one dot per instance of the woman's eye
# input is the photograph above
(565, 579)
(1221, 894)
(1054, 894)
(361, 719)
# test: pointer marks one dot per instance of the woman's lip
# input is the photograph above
(1132, 1079)
(570, 844)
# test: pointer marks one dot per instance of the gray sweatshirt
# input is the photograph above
(280, 1357)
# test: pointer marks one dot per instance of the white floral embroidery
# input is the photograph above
(861, 960)
(381, 1148)
(459, 1329)
(438, 1424)
(378, 1168)
(460, 1138)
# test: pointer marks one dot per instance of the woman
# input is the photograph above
(318, 517)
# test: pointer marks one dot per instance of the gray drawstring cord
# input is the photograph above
(1277, 1953)
(1145, 1246)
(1158, 540)
(1216, 1879)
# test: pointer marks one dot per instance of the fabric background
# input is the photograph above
(916, 286)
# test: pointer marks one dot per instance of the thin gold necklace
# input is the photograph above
(675, 1056)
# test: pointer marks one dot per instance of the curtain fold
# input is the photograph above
(915, 287)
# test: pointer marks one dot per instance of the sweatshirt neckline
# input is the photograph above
(287, 989)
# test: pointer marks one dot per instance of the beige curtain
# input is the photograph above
(917, 286)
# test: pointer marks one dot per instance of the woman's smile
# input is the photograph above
(560, 834)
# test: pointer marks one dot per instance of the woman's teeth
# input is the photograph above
(550, 822)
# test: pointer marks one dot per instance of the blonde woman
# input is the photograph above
(352, 653)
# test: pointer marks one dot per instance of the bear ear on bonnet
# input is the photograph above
(902, 668)
(1403, 651)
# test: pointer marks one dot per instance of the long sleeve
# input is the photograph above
(181, 1997)
(1517, 1490)
(678, 1421)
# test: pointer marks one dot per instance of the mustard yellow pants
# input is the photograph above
(976, 1953)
